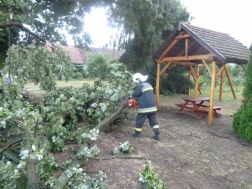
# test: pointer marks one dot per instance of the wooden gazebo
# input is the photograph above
(194, 46)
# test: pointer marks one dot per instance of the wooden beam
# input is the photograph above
(186, 63)
(193, 72)
(209, 71)
(201, 71)
(208, 62)
(210, 113)
(163, 70)
(221, 85)
(189, 78)
(157, 85)
(183, 50)
(229, 80)
(197, 51)
(243, 67)
(182, 36)
(186, 47)
(196, 83)
(219, 71)
(199, 89)
(168, 49)
(193, 57)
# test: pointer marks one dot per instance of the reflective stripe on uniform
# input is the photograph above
(156, 127)
(146, 89)
(138, 129)
(146, 110)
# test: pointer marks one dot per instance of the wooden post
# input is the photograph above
(186, 47)
(230, 82)
(196, 83)
(157, 85)
(210, 113)
(189, 78)
(221, 85)
(199, 89)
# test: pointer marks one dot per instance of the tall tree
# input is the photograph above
(43, 20)
(143, 23)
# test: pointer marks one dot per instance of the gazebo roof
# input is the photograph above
(220, 47)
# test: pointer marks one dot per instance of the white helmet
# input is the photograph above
(137, 77)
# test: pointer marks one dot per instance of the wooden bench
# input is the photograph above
(205, 108)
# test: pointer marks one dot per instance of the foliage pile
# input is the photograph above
(242, 123)
(44, 127)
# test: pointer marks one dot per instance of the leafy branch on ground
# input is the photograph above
(149, 179)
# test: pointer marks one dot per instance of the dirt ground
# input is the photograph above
(190, 154)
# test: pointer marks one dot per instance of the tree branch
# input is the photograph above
(20, 26)
(117, 157)
(11, 157)
(15, 142)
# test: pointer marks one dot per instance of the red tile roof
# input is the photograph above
(79, 56)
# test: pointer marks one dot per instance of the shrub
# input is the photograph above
(238, 81)
(79, 73)
(97, 64)
(242, 123)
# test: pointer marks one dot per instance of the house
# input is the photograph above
(79, 56)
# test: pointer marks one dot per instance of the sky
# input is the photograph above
(228, 16)
(233, 17)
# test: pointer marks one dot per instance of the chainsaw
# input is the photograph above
(131, 103)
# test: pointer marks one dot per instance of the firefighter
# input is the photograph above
(147, 107)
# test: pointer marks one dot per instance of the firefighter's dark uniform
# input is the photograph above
(147, 107)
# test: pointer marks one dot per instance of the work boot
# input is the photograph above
(136, 135)
(156, 136)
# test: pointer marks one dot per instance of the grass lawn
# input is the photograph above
(34, 89)
(74, 83)
(229, 103)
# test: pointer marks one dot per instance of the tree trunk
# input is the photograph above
(111, 118)
(63, 179)
(33, 179)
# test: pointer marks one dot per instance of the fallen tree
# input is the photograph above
(45, 128)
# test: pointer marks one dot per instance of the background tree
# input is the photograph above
(97, 64)
(242, 123)
(43, 20)
(143, 23)
(236, 69)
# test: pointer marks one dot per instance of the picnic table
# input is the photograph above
(196, 104)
